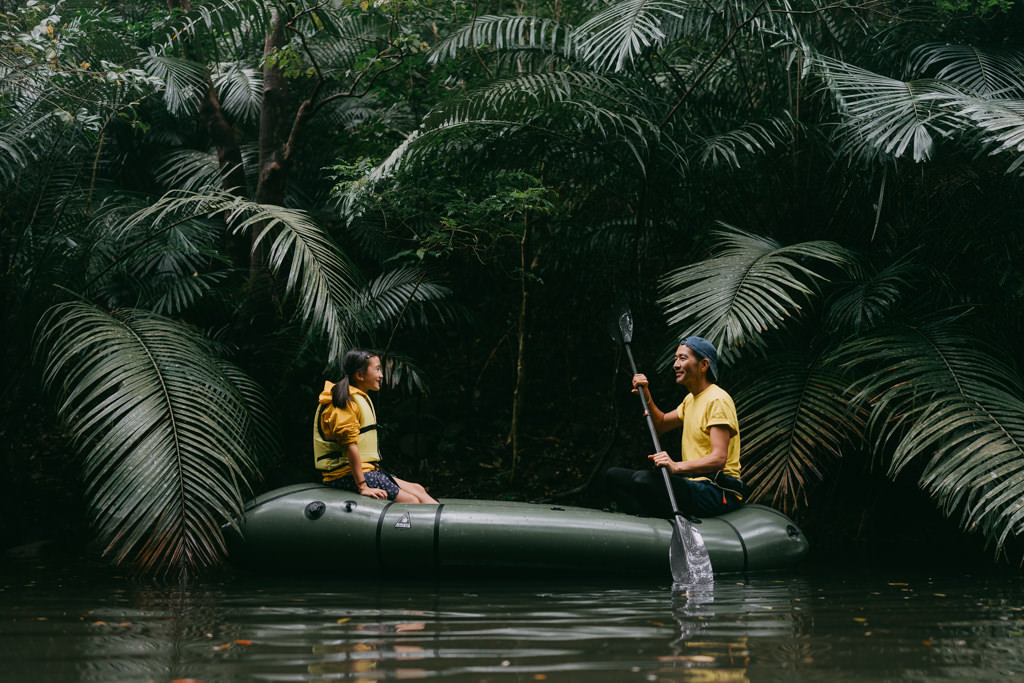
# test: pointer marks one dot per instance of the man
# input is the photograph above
(707, 480)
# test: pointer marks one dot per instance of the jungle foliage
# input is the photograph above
(205, 204)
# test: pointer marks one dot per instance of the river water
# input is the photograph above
(807, 625)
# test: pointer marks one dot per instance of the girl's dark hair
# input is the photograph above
(355, 360)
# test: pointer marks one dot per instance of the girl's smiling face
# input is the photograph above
(370, 378)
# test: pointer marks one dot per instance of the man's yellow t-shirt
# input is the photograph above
(711, 407)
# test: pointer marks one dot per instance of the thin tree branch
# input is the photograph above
(714, 60)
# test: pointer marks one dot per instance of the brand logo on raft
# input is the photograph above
(404, 522)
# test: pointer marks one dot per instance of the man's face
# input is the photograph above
(686, 366)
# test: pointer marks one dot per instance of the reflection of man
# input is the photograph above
(707, 480)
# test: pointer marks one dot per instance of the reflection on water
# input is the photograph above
(810, 627)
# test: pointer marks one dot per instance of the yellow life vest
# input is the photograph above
(330, 456)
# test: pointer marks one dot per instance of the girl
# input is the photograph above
(345, 435)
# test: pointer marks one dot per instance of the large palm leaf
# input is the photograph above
(165, 271)
(867, 301)
(241, 90)
(885, 117)
(507, 33)
(166, 434)
(948, 407)
(1001, 124)
(795, 421)
(984, 73)
(750, 286)
(184, 81)
(313, 271)
(613, 38)
(401, 298)
(235, 24)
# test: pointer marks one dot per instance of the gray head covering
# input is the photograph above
(705, 349)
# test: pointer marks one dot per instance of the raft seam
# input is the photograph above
(380, 528)
(437, 539)
(743, 544)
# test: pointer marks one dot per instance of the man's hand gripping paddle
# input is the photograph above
(687, 555)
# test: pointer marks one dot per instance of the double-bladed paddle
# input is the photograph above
(687, 555)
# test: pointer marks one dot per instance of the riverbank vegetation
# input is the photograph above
(205, 203)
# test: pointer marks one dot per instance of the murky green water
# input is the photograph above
(814, 626)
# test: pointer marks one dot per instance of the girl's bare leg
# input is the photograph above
(411, 492)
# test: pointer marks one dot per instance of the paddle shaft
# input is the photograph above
(654, 434)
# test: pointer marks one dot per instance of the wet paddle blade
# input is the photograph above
(625, 326)
(688, 556)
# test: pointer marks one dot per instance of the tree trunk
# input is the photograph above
(272, 172)
(521, 352)
(274, 125)
(222, 137)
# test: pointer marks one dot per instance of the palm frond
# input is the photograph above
(558, 114)
(750, 138)
(163, 432)
(795, 421)
(184, 81)
(1001, 125)
(948, 406)
(612, 39)
(401, 370)
(190, 170)
(14, 152)
(233, 23)
(260, 432)
(338, 40)
(751, 286)
(403, 294)
(884, 118)
(351, 113)
(165, 268)
(314, 271)
(982, 73)
(240, 89)
(858, 305)
(506, 33)
(401, 298)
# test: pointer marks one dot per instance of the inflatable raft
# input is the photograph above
(309, 526)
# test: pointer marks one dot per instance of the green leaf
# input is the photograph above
(166, 432)
(885, 117)
(947, 406)
(613, 39)
(313, 271)
(795, 419)
(750, 286)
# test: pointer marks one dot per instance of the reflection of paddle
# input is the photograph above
(686, 555)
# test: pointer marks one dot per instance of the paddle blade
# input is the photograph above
(620, 325)
(625, 323)
(688, 556)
